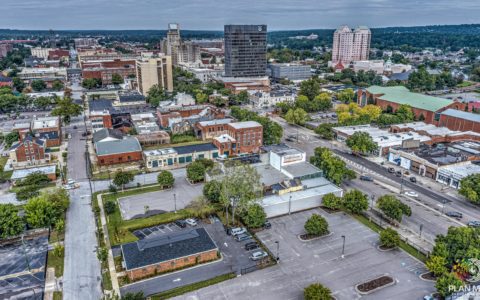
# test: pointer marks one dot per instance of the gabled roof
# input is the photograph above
(105, 133)
(401, 95)
(160, 248)
(125, 145)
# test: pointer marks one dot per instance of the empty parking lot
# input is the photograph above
(160, 201)
(303, 263)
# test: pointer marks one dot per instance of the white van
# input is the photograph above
(237, 230)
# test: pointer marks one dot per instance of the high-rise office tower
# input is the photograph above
(180, 51)
(154, 70)
(351, 45)
(245, 50)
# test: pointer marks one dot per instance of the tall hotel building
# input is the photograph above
(351, 45)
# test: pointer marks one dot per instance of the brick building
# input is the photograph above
(49, 129)
(104, 70)
(241, 137)
(113, 148)
(425, 108)
(29, 151)
(168, 116)
(208, 130)
(59, 54)
(437, 134)
(460, 120)
(159, 253)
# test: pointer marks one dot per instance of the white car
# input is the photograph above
(257, 255)
(68, 186)
(191, 222)
(71, 181)
(411, 194)
(238, 230)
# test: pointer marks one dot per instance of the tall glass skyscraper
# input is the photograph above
(245, 50)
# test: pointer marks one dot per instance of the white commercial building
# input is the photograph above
(41, 52)
(452, 175)
(269, 99)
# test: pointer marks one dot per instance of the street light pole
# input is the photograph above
(343, 247)
(401, 183)
(289, 204)
(175, 201)
(278, 250)
(421, 227)
(372, 198)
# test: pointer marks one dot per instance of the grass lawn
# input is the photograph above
(56, 262)
(192, 287)
(403, 245)
(465, 84)
(120, 231)
(15, 189)
(57, 295)
(104, 175)
(4, 175)
(106, 280)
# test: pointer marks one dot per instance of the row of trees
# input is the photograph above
(44, 210)
(352, 114)
(334, 169)
(470, 188)
(272, 132)
(360, 78)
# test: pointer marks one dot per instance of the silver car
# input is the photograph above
(257, 255)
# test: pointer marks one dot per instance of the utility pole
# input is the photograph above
(343, 247)
(289, 204)
(278, 249)
(421, 227)
(175, 201)
(372, 198)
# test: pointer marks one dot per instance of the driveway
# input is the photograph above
(303, 263)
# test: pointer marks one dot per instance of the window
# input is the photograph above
(181, 160)
(189, 158)
(185, 259)
(120, 158)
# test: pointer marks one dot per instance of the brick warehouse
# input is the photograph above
(460, 120)
(423, 107)
(111, 148)
(241, 137)
(105, 69)
(163, 253)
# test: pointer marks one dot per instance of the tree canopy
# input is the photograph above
(165, 179)
(316, 291)
(355, 201)
(334, 168)
(66, 109)
(470, 188)
(361, 142)
(393, 208)
(316, 225)
(255, 216)
(11, 224)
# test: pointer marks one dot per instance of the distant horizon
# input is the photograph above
(221, 30)
(209, 15)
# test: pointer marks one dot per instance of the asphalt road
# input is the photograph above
(82, 269)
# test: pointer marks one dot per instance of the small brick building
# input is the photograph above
(49, 129)
(104, 70)
(241, 138)
(425, 108)
(113, 148)
(162, 253)
(208, 130)
(29, 151)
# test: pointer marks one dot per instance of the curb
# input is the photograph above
(316, 238)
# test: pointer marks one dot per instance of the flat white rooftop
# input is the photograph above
(246, 124)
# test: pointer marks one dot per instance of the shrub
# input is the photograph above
(389, 238)
(316, 225)
(331, 201)
(316, 291)
(110, 206)
(255, 216)
(165, 179)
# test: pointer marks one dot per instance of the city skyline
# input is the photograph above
(212, 15)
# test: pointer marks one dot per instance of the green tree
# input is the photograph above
(117, 79)
(255, 216)
(296, 116)
(393, 208)
(110, 206)
(11, 223)
(389, 238)
(470, 188)
(201, 98)
(133, 296)
(18, 84)
(405, 113)
(447, 284)
(196, 171)
(57, 85)
(310, 88)
(361, 142)
(322, 102)
(212, 191)
(66, 109)
(331, 201)
(165, 179)
(122, 178)
(156, 94)
(334, 168)
(42, 102)
(35, 178)
(355, 201)
(316, 291)
(38, 85)
(437, 265)
(240, 188)
(325, 131)
(11, 138)
(242, 97)
(27, 192)
(59, 250)
(284, 107)
(346, 95)
(316, 225)
(60, 225)
(39, 212)
(91, 83)
(102, 254)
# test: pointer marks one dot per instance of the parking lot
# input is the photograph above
(234, 259)
(160, 201)
(303, 263)
(15, 261)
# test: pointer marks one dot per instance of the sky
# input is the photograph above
(213, 14)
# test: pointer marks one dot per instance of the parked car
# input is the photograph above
(391, 170)
(398, 174)
(289, 139)
(413, 179)
(75, 127)
(243, 237)
(180, 223)
(474, 224)
(454, 214)
(257, 255)
(191, 222)
(411, 194)
(267, 225)
(68, 186)
(70, 181)
(366, 178)
(251, 246)
(237, 230)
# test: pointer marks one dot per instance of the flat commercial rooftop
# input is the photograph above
(22, 173)
(301, 195)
